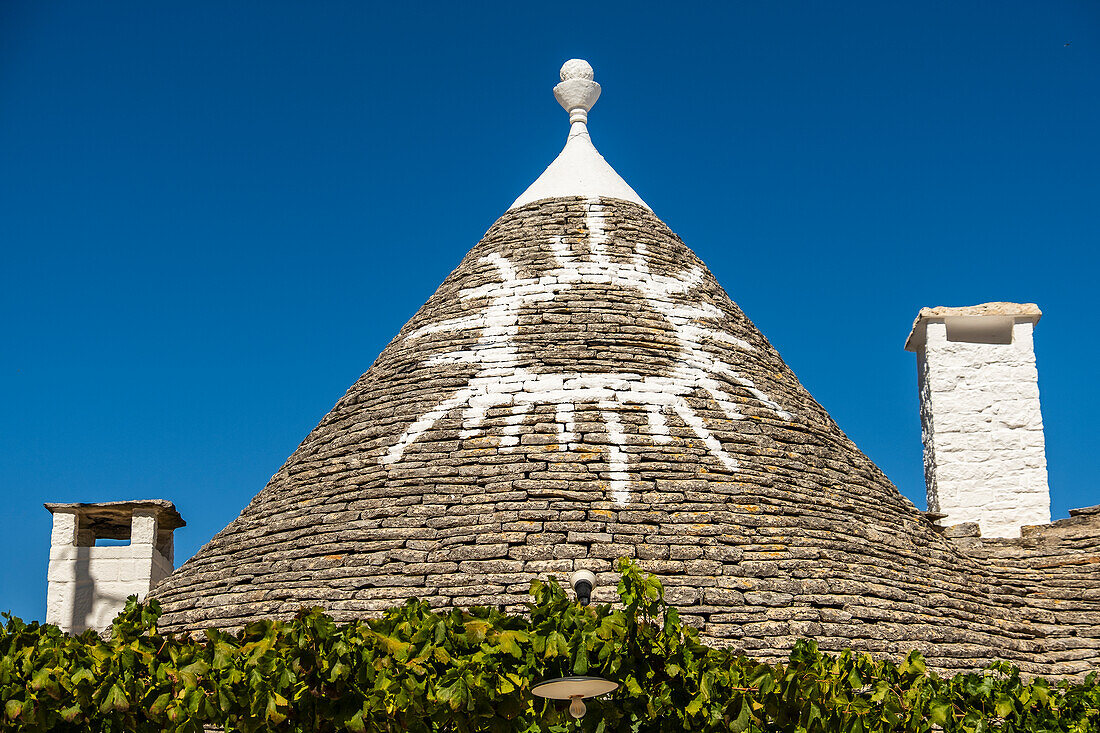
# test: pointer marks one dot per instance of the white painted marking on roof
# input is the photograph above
(658, 427)
(616, 457)
(503, 380)
(512, 424)
(566, 425)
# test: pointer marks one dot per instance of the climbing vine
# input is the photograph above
(417, 669)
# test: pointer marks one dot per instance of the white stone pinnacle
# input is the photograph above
(579, 170)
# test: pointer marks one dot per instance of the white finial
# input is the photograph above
(579, 170)
(577, 92)
(577, 69)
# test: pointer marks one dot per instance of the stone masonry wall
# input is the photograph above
(578, 390)
(1052, 570)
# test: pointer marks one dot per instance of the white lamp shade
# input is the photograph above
(565, 688)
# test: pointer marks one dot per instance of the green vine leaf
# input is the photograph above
(423, 670)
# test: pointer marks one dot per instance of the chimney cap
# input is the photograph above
(1018, 312)
(110, 518)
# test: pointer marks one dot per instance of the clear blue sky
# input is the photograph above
(213, 216)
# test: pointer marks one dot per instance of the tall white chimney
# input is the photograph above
(984, 452)
(87, 583)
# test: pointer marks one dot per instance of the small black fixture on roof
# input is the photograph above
(583, 581)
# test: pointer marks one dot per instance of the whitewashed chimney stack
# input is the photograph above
(984, 451)
(88, 584)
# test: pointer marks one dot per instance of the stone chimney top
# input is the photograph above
(112, 519)
(989, 318)
(87, 583)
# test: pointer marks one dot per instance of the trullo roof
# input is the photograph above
(581, 389)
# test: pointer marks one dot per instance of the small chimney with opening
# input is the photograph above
(102, 553)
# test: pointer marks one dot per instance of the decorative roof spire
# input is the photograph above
(577, 91)
(579, 170)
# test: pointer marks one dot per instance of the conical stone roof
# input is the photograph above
(581, 389)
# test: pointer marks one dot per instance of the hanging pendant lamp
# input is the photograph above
(574, 689)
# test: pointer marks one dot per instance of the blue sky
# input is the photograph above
(213, 216)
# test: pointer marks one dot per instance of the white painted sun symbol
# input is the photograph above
(502, 382)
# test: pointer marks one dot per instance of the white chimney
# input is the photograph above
(89, 583)
(984, 452)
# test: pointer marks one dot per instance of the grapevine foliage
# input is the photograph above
(417, 669)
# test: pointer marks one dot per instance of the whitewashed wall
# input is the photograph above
(985, 457)
(88, 585)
